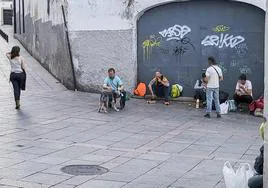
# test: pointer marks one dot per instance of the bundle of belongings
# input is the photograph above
(257, 106)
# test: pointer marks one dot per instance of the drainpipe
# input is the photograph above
(14, 16)
(69, 47)
(265, 168)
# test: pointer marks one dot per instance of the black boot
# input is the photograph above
(17, 104)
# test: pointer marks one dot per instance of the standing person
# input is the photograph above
(18, 75)
(213, 78)
(159, 86)
(200, 90)
(243, 91)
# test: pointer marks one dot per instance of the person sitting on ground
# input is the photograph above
(200, 90)
(257, 180)
(243, 92)
(114, 84)
(159, 86)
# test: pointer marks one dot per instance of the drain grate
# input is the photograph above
(82, 170)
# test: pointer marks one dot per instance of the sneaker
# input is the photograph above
(207, 116)
(218, 116)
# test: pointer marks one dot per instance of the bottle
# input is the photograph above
(197, 103)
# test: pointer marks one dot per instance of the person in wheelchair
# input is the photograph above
(114, 84)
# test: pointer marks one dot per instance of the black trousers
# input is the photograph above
(243, 99)
(200, 94)
(161, 91)
(122, 97)
(17, 81)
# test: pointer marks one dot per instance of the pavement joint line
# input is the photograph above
(219, 182)
(186, 172)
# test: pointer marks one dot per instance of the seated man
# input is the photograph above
(114, 84)
(159, 86)
(200, 90)
(243, 92)
(257, 180)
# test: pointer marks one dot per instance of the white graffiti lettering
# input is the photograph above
(177, 32)
(224, 40)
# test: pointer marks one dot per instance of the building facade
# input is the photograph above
(6, 12)
(138, 37)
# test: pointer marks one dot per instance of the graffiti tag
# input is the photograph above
(221, 28)
(149, 44)
(241, 49)
(177, 32)
(224, 40)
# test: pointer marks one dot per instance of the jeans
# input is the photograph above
(16, 79)
(213, 94)
(161, 91)
(243, 99)
(256, 181)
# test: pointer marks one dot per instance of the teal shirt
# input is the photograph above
(114, 83)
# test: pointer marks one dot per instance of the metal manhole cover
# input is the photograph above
(77, 170)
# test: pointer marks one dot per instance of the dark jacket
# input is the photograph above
(259, 162)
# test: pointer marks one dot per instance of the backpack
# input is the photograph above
(140, 90)
(256, 104)
(176, 90)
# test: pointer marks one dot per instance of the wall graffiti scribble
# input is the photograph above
(221, 28)
(241, 49)
(178, 48)
(245, 70)
(223, 68)
(224, 40)
(177, 32)
(149, 44)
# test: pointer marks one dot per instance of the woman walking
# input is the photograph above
(17, 75)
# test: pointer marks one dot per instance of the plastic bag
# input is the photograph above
(224, 108)
(232, 106)
(239, 178)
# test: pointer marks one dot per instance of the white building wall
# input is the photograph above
(4, 5)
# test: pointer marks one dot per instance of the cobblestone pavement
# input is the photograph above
(144, 146)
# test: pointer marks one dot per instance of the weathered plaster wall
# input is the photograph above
(96, 51)
(103, 35)
(45, 37)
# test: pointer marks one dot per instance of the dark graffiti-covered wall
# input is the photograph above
(177, 38)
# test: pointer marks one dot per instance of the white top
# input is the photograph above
(241, 88)
(213, 76)
(198, 86)
(16, 64)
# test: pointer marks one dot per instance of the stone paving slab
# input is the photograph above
(143, 146)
